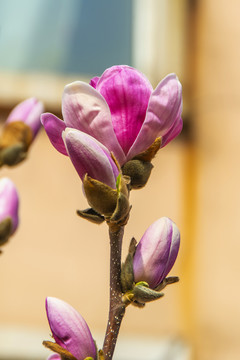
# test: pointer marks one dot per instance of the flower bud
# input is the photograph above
(104, 187)
(20, 129)
(8, 209)
(28, 112)
(70, 332)
(156, 252)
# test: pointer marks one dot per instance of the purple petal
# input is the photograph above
(127, 93)
(54, 357)
(164, 109)
(90, 157)
(173, 251)
(29, 112)
(93, 82)
(54, 128)
(85, 109)
(9, 202)
(174, 131)
(69, 329)
(152, 253)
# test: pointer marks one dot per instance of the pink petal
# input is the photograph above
(28, 111)
(54, 357)
(90, 157)
(163, 111)
(9, 202)
(54, 128)
(93, 82)
(174, 131)
(127, 93)
(69, 329)
(85, 109)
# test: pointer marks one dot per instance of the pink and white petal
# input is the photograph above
(9, 202)
(174, 131)
(93, 82)
(54, 128)
(88, 157)
(33, 119)
(164, 106)
(22, 110)
(127, 92)
(69, 329)
(85, 109)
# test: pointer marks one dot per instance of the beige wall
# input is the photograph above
(214, 292)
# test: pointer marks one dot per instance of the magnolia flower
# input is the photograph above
(156, 252)
(20, 129)
(69, 330)
(121, 110)
(8, 209)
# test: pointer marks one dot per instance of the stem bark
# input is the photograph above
(116, 306)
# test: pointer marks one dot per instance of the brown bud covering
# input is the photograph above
(101, 197)
(91, 215)
(65, 355)
(5, 230)
(105, 201)
(127, 275)
(14, 143)
(150, 153)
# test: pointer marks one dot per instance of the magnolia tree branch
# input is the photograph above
(116, 307)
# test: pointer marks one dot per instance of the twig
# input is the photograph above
(116, 306)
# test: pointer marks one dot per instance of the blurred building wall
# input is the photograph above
(195, 182)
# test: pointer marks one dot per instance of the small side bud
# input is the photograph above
(139, 168)
(139, 171)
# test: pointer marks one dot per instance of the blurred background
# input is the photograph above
(45, 44)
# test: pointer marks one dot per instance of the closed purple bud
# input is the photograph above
(69, 330)
(156, 252)
(29, 112)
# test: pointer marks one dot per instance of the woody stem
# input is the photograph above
(116, 306)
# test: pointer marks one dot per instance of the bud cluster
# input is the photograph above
(18, 133)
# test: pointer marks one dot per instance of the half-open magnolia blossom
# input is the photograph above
(9, 202)
(90, 157)
(156, 252)
(69, 330)
(121, 110)
(28, 112)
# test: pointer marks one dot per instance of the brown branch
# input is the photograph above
(116, 307)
